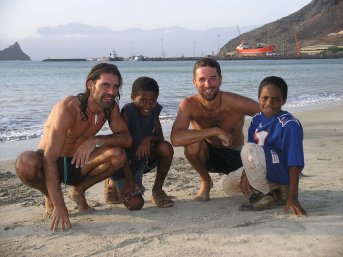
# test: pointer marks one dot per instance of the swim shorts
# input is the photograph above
(64, 166)
(223, 160)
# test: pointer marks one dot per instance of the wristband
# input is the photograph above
(99, 143)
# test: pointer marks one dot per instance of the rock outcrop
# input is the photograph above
(318, 23)
(13, 53)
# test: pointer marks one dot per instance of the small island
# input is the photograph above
(13, 53)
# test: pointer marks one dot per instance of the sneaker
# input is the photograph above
(255, 195)
(265, 202)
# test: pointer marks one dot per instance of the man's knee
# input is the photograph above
(117, 156)
(27, 166)
(193, 150)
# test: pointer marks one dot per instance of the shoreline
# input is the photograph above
(232, 58)
(10, 150)
(154, 59)
(215, 228)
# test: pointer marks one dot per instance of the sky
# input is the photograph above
(19, 19)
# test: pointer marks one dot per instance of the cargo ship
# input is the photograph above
(258, 50)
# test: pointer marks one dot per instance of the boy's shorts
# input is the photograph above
(139, 170)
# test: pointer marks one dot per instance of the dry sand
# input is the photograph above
(191, 228)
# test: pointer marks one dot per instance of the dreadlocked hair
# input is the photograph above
(93, 76)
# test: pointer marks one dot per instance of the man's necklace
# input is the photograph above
(96, 119)
(217, 121)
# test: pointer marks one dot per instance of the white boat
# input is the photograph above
(113, 57)
(137, 58)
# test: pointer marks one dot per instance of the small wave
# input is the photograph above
(13, 131)
(306, 100)
(167, 117)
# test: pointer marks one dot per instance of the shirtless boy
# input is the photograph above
(69, 151)
(215, 138)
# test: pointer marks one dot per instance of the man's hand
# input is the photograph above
(143, 149)
(82, 154)
(224, 137)
(60, 215)
(245, 185)
(294, 205)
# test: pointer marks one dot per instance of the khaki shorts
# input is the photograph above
(254, 165)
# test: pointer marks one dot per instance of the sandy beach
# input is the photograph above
(191, 228)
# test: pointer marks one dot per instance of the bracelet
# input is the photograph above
(99, 142)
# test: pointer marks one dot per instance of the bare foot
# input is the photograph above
(49, 207)
(204, 191)
(79, 199)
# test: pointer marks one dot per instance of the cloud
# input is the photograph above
(75, 40)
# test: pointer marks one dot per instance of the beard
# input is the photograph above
(107, 106)
(106, 103)
(209, 97)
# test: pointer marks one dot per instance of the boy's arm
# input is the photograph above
(158, 134)
(292, 201)
(130, 183)
(121, 134)
(143, 149)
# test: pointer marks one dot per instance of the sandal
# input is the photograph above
(161, 199)
(111, 193)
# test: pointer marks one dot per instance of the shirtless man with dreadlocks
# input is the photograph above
(70, 152)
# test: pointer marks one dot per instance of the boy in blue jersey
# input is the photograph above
(148, 149)
(273, 157)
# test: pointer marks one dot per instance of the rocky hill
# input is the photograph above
(318, 23)
(13, 53)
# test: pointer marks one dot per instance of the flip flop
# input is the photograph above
(111, 193)
(161, 199)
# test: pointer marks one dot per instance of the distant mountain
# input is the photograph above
(317, 23)
(13, 53)
(76, 40)
(73, 28)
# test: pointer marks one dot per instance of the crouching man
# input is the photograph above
(69, 151)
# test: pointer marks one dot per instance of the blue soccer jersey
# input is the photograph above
(281, 137)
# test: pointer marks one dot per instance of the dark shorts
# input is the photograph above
(73, 175)
(223, 160)
(137, 168)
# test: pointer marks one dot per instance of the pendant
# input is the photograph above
(96, 119)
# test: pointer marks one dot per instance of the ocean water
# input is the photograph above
(28, 90)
